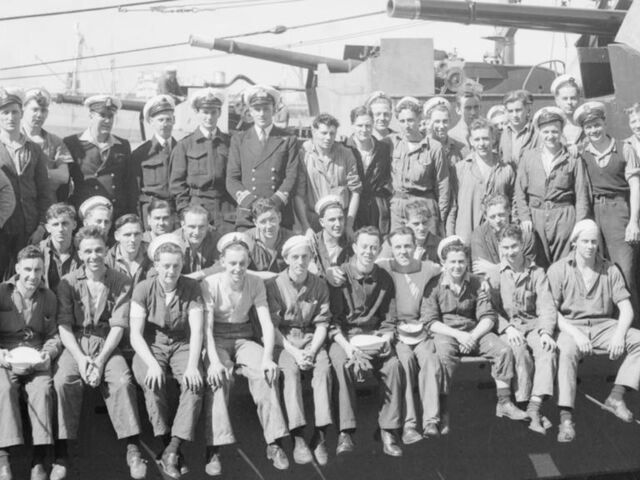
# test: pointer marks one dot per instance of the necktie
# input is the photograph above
(263, 137)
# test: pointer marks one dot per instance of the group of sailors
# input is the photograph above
(511, 237)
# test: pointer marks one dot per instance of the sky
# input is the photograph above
(55, 37)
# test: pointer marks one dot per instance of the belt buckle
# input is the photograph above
(548, 205)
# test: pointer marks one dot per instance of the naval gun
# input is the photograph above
(608, 49)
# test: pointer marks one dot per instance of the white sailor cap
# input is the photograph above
(232, 238)
(41, 96)
(260, 95)
(445, 242)
(103, 103)
(378, 96)
(547, 115)
(164, 239)
(589, 111)
(295, 242)
(9, 95)
(581, 227)
(93, 202)
(496, 110)
(327, 201)
(207, 98)
(157, 104)
(406, 102)
(433, 103)
(561, 81)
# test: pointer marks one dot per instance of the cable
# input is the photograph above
(277, 30)
(80, 10)
(208, 57)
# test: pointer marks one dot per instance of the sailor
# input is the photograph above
(595, 316)
(566, 92)
(457, 310)
(381, 107)
(200, 242)
(93, 313)
(415, 350)
(160, 219)
(552, 188)
(199, 163)
(263, 160)
(499, 117)
(300, 310)
(102, 161)
(97, 211)
(60, 254)
(519, 134)
(25, 165)
(365, 304)
(27, 319)
(481, 174)
(468, 109)
(267, 237)
(36, 110)
(373, 160)
(419, 170)
(229, 295)
(129, 254)
(615, 183)
(151, 158)
(527, 323)
(330, 245)
(166, 334)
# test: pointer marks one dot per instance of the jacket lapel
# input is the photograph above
(5, 160)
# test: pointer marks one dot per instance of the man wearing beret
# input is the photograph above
(36, 110)
(263, 160)
(199, 164)
(102, 161)
(151, 158)
(25, 165)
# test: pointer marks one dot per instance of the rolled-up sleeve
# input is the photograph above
(632, 158)
(430, 308)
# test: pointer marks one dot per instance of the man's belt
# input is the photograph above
(100, 330)
(549, 205)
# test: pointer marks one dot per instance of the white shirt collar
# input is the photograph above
(267, 130)
(87, 136)
(206, 133)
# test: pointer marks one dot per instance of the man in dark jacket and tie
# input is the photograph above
(263, 160)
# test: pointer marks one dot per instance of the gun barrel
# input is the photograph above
(277, 55)
(556, 19)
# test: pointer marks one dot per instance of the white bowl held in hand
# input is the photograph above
(22, 359)
(371, 344)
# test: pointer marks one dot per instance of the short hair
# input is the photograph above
(402, 231)
(157, 204)
(569, 82)
(367, 230)
(523, 96)
(456, 246)
(167, 248)
(511, 231)
(59, 210)
(481, 124)
(128, 218)
(438, 108)
(263, 205)
(325, 119)
(359, 112)
(633, 109)
(464, 94)
(414, 107)
(92, 232)
(417, 208)
(194, 210)
(496, 199)
(29, 252)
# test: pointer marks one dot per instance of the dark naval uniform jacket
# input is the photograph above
(113, 177)
(151, 161)
(197, 175)
(262, 171)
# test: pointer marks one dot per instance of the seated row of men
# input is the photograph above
(339, 310)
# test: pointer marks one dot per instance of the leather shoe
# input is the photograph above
(536, 423)
(509, 410)
(431, 429)
(5, 468)
(390, 444)
(410, 435)
(214, 467)
(58, 472)
(619, 409)
(444, 424)
(137, 465)
(277, 456)
(566, 431)
(301, 452)
(38, 472)
(169, 464)
(319, 446)
(345, 443)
